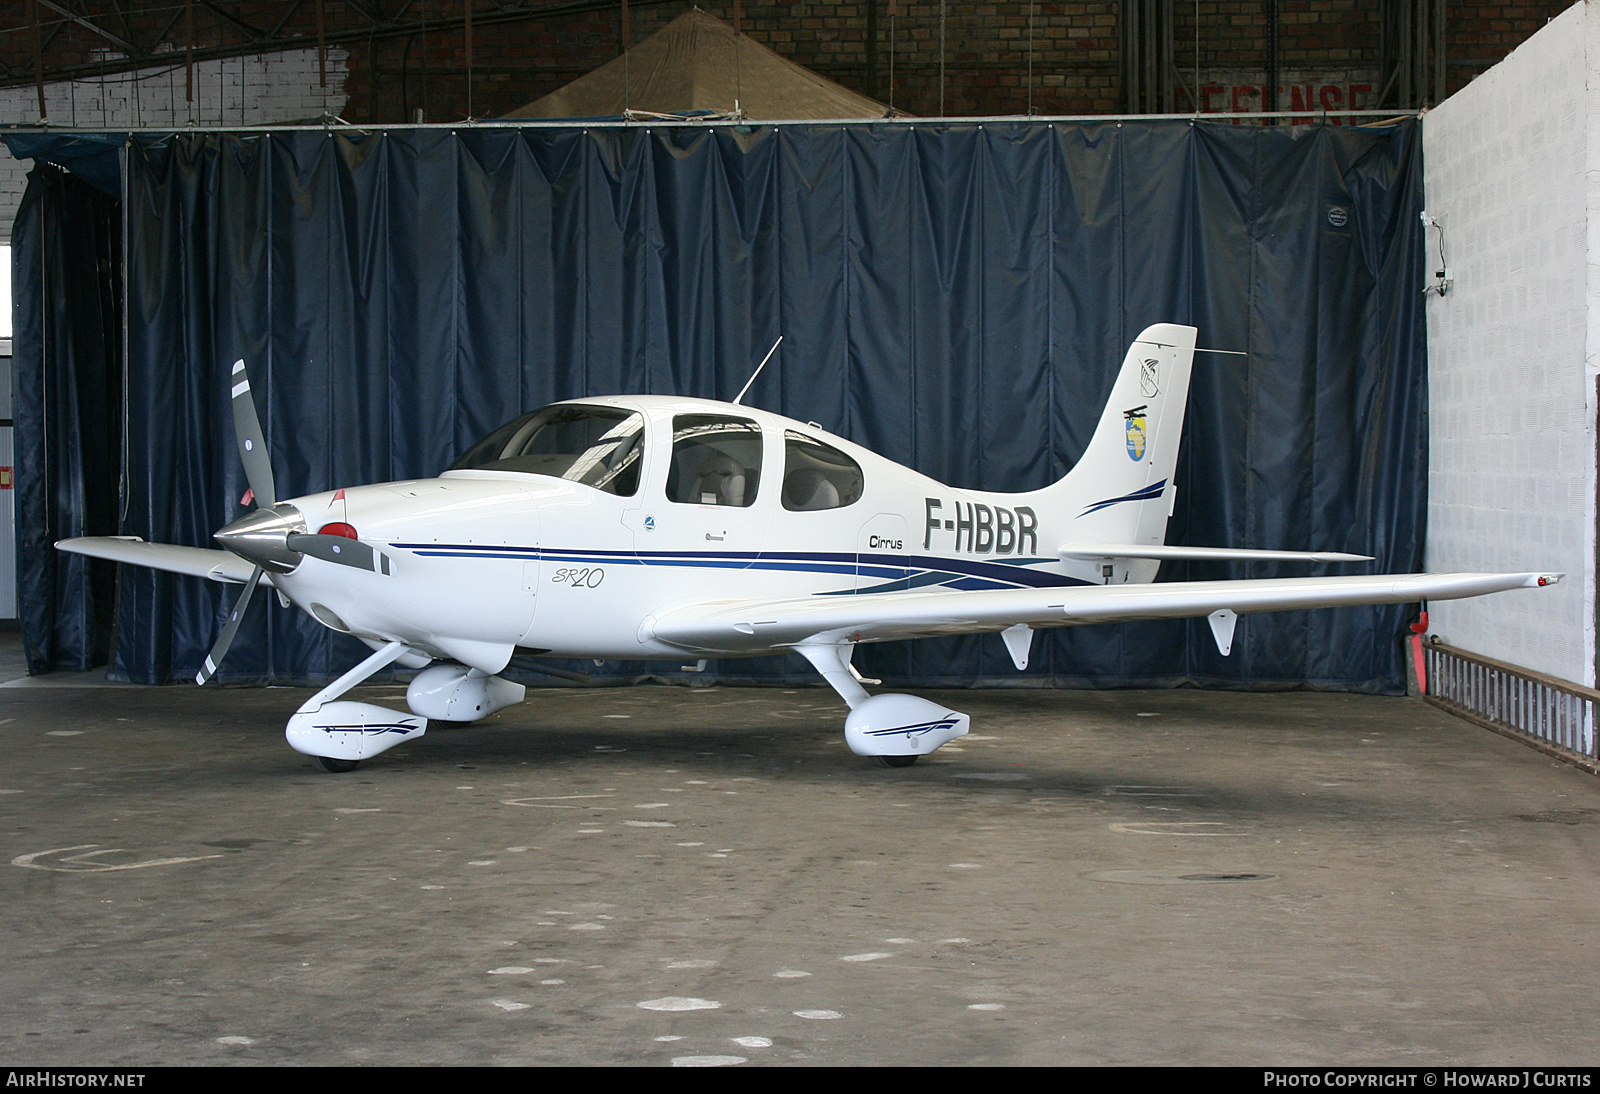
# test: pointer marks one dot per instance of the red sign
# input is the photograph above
(1314, 97)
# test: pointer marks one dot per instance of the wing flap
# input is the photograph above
(744, 626)
(196, 561)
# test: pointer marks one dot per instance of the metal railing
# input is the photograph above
(1552, 715)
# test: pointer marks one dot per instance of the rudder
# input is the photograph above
(1120, 491)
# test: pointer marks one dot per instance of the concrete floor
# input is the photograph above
(657, 875)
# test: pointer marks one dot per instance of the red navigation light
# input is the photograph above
(338, 528)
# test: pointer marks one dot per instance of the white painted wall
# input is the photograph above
(1512, 169)
(265, 90)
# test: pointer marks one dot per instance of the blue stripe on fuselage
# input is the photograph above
(895, 571)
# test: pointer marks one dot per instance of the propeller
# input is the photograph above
(258, 473)
(252, 441)
(344, 550)
(225, 639)
(273, 537)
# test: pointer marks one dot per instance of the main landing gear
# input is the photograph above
(333, 766)
(892, 729)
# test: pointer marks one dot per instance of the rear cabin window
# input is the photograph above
(599, 446)
(816, 475)
(716, 460)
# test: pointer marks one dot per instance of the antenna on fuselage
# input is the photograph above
(757, 372)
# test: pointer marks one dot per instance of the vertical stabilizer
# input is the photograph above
(1121, 490)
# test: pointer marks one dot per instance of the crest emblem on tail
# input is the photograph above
(1135, 432)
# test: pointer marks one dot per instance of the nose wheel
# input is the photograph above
(337, 733)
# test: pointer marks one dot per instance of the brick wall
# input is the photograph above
(278, 87)
(1322, 44)
(1074, 51)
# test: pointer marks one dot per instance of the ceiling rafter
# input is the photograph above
(365, 12)
(287, 15)
(251, 33)
(88, 24)
(374, 25)
(127, 24)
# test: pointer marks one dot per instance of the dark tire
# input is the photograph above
(333, 766)
(895, 761)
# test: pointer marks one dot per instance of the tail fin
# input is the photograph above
(1121, 490)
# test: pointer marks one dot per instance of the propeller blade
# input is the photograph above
(342, 550)
(252, 441)
(225, 639)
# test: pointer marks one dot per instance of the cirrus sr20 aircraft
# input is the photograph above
(640, 527)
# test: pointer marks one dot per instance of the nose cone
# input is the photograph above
(262, 537)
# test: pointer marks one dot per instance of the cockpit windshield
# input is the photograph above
(599, 446)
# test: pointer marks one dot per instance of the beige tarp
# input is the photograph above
(697, 62)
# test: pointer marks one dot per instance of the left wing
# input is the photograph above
(198, 561)
(743, 626)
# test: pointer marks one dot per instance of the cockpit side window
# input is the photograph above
(716, 460)
(816, 475)
(599, 446)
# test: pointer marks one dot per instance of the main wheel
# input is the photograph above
(333, 766)
(895, 761)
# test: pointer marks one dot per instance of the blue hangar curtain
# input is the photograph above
(67, 266)
(957, 297)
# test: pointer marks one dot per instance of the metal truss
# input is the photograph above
(139, 34)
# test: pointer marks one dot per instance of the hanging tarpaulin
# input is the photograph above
(957, 297)
(93, 157)
(67, 363)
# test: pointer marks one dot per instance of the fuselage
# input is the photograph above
(717, 502)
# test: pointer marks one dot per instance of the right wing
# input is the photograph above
(742, 626)
(1165, 553)
(196, 561)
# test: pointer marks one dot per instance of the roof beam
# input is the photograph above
(287, 15)
(88, 24)
(275, 41)
(253, 34)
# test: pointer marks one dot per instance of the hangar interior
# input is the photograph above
(1115, 869)
(1054, 239)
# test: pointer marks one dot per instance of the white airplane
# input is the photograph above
(646, 527)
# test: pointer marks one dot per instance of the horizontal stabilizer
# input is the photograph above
(1095, 551)
(196, 561)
